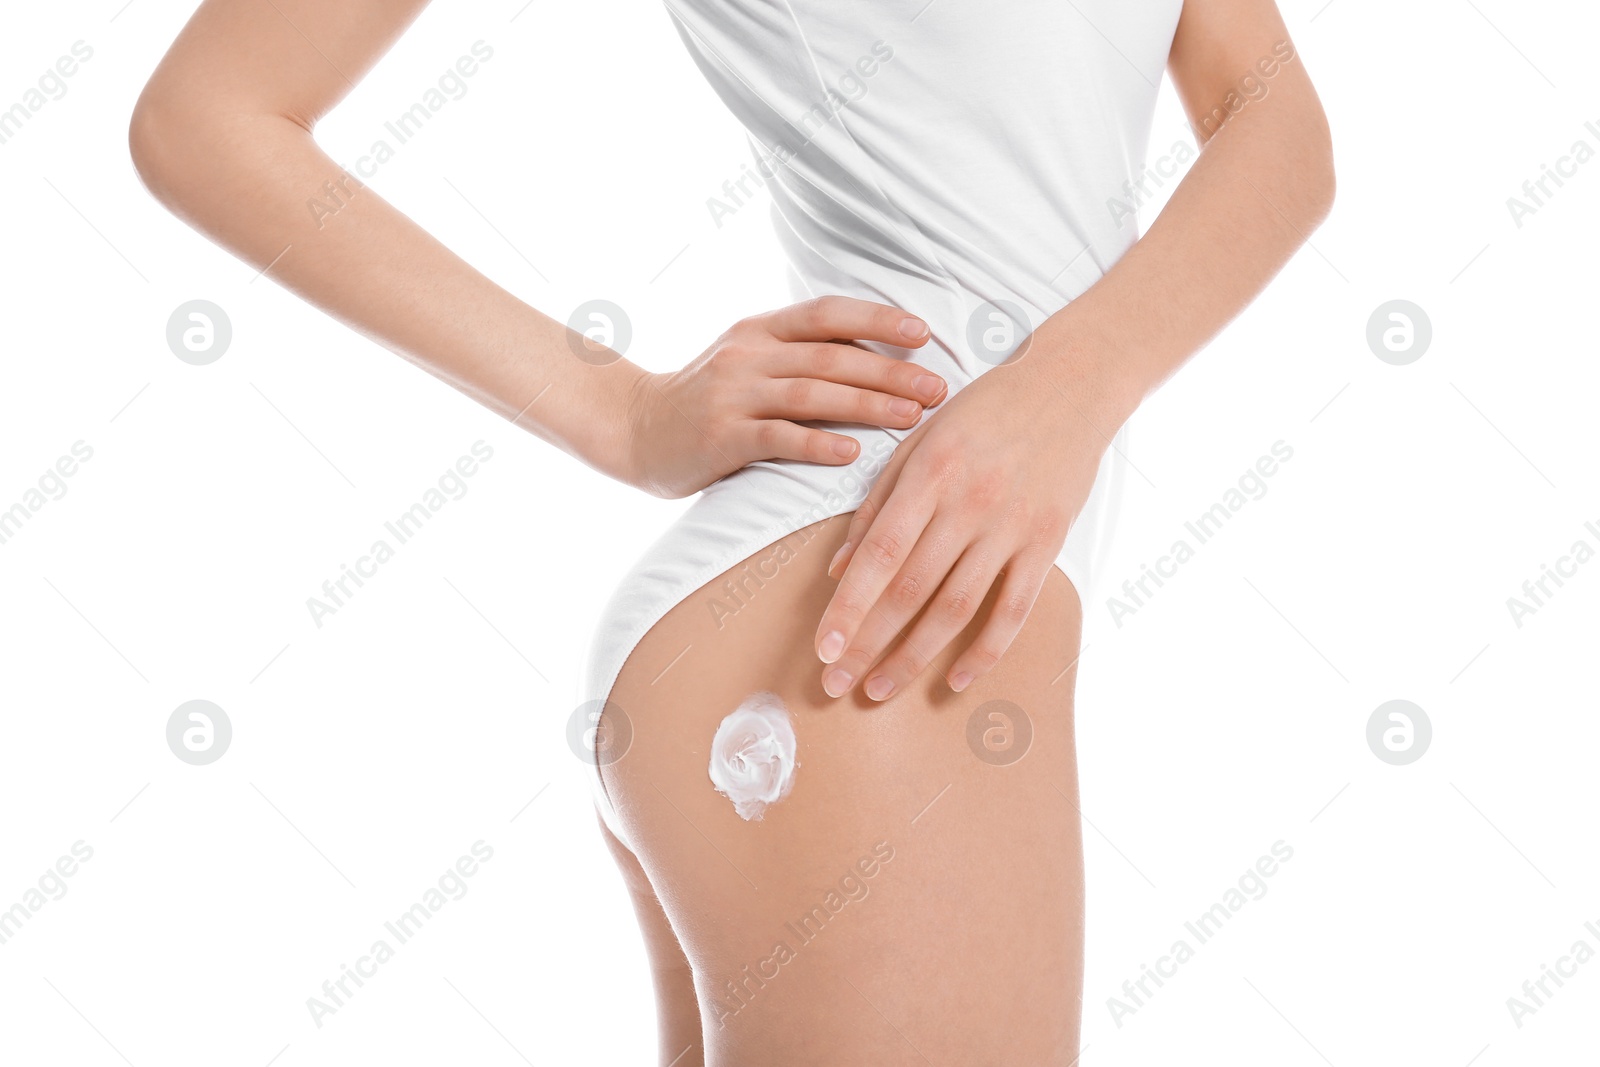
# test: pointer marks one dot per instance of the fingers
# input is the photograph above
(823, 318)
(947, 613)
(1024, 577)
(884, 550)
(849, 365)
(888, 617)
(808, 398)
(862, 521)
(777, 439)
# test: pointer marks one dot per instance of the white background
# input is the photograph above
(369, 754)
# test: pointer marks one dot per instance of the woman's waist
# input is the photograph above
(975, 322)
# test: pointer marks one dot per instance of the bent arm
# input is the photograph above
(222, 135)
(1263, 181)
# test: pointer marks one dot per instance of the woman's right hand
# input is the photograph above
(742, 399)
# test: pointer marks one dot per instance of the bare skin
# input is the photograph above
(966, 946)
(677, 1008)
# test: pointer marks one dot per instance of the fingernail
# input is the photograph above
(879, 687)
(928, 385)
(844, 447)
(837, 556)
(904, 408)
(831, 646)
(836, 683)
(913, 328)
(960, 680)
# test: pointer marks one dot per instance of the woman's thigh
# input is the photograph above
(919, 892)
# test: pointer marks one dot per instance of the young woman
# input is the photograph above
(832, 706)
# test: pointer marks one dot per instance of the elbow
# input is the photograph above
(1315, 173)
(196, 157)
(154, 130)
(183, 149)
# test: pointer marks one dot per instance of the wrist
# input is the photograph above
(592, 415)
(1081, 374)
(623, 425)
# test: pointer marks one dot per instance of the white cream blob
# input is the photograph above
(753, 755)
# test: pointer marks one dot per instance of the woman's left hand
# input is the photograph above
(987, 487)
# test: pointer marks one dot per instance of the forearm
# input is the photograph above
(1260, 186)
(252, 187)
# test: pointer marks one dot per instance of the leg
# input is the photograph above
(677, 1012)
(921, 889)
